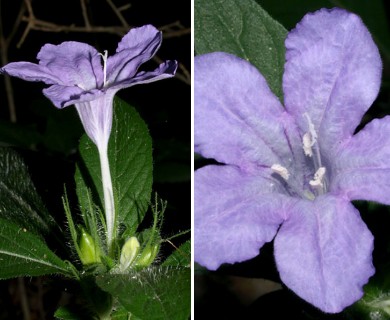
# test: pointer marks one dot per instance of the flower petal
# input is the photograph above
(63, 96)
(30, 72)
(323, 253)
(77, 64)
(332, 73)
(235, 214)
(136, 47)
(238, 120)
(362, 169)
(96, 117)
(165, 70)
(141, 40)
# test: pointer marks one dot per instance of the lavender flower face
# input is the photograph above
(76, 76)
(289, 173)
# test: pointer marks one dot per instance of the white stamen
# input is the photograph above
(318, 178)
(280, 170)
(312, 130)
(307, 144)
(104, 58)
(309, 138)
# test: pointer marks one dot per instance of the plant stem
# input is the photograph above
(108, 194)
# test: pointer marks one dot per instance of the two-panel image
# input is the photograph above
(194, 159)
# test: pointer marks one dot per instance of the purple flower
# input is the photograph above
(76, 76)
(289, 173)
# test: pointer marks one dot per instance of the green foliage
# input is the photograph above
(94, 303)
(130, 156)
(244, 29)
(121, 313)
(65, 313)
(155, 293)
(22, 253)
(19, 200)
(375, 304)
(181, 256)
(23, 222)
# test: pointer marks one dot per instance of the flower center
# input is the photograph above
(317, 181)
(104, 58)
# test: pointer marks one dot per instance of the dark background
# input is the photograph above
(47, 138)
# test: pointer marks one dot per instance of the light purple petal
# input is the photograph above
(235, 214)
(165, 70)
(362, 169)
(76, 63)
(96, 117)
(323, 253)
(30, 72)
(63, 96)
(238, 120)
(136, 47)
(332, 73)
(140, 40)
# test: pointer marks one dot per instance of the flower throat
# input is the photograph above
(318, 184)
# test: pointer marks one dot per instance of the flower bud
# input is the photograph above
(129, 253)
(148, 255)
(89, 252)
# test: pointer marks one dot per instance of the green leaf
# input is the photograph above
(19, 200)
(130, 156)
(244, 29)
(23, 253)
(121, 313)
(66, 313)
(156, 293)
(181, 256)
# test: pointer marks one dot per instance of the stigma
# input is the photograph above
(104, 58)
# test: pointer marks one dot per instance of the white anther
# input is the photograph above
(307, 144)
(104, 58)
(318, 177)
(280, 170)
